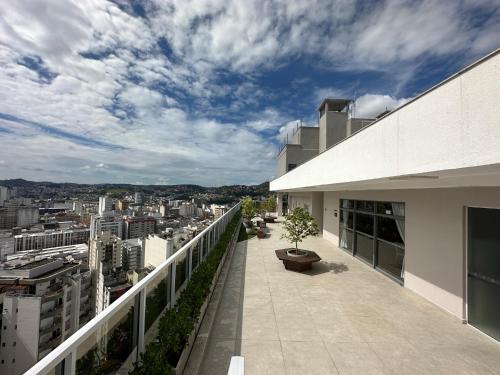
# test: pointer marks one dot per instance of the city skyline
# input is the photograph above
(201, 93)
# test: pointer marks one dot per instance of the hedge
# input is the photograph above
(176, 324)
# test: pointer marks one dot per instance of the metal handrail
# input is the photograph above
(67, 349)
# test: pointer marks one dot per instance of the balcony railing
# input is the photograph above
(114, 338)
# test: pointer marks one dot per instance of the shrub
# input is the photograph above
(177, 323)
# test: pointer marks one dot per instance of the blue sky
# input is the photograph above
(165, 92)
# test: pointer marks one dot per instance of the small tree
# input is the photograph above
(298, 226)
(271, 204)
(248, 208)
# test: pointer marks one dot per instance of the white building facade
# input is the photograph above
(416, 194)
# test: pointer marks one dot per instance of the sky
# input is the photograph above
(203, 92)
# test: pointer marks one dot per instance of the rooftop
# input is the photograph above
(340, 318)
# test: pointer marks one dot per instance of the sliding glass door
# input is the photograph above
(374, 232)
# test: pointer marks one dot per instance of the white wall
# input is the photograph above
(435, 244)
(456, 125)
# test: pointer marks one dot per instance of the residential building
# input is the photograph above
(14, 215)
(132, 254)
(105, 205)
(106, 223)
(218, 211)
(4, 194)
(106, 264)
(138, 227)
(415, 194)
(139, 198)
(121, 205)
(158, 248)
(50, 238)
(187, 209)
(43, 303)
(163, 209)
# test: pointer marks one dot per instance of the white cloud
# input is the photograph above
(106, 70)
(371, 105)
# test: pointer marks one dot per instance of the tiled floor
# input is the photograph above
(340, 318)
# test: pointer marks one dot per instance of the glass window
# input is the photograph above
(390, 258)
(384, 208)
(364, 223)
(364, 247)
(346, 203)
(366, 206)
(346, 219)
(387, 230)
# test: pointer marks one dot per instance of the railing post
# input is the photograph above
(142, 322)
(201, 249)
(172, 284)
(70, 363)
(190, 261)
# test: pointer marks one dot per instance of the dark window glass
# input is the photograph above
(364, 223)
(346, 219)
(364, 247)
(346, 237)
(366, 206)
(390, 258)
(384, 208)
(346, 203)
(387, 230)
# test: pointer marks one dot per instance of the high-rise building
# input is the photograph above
(132, 254)
(4, 194)
(163, 209)
(157, 249)
(14, 215)
(187, 209)
(44, 302)
(105, 205)
(138, 227)
(101, 223)
(121, 205)
(106, 264)
(139, 197)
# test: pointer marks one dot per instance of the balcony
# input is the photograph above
(52, 312)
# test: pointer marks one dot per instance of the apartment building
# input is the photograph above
(105, 205)
(138, 227)
(415, 194)
(158, 248)
(132, 254)
(106, 223)
(15, 215)
(50, 238)
(44, 301)
(106, 265)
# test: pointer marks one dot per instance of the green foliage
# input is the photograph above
(271, 204)
(176, 324)
(243, 235)
(248, 208)
(299, 225)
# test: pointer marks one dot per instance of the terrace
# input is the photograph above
(340, 318)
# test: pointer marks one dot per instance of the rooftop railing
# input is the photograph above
(114, 339)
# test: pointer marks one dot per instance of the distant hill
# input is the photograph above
(46, 188)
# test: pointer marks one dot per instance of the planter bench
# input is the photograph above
(297, 263)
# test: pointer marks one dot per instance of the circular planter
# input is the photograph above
(292, 253)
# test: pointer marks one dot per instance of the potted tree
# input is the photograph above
(248, 211)
(270, 208)
(298, 225)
